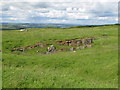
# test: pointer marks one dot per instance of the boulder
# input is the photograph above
(52, 48)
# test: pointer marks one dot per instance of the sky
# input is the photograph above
(66, 12)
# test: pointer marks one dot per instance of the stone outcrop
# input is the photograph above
(30, 47)
(52, 48)
(77, 44)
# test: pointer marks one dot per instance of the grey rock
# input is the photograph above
(82, 47)
(52, 48)
(72, 49)
(83, 41)
(79, 42)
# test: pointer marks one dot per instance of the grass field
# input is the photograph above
(95, 67)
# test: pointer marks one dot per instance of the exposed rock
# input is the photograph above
(18, 49)
(72, 49)
(93, 38)
(83, 41)
(30, 47)
(77, 43)
(68, 43)
(77, 48)
(52, 48)
(88, 41)
(89, 46)
(47, 53)
(82, 47)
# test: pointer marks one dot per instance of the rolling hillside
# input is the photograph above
(94, 67)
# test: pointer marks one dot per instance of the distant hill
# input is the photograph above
(14, 26)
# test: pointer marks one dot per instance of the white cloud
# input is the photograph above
(56, 21)
(61, 0)
(64, 12)
(77, 16)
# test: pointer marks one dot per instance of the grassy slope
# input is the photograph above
(94, 67)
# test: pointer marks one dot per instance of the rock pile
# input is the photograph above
(76, 42)
(30, 47)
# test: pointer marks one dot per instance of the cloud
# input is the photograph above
(61, 0)
(60, 12)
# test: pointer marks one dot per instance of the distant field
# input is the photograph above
(94, 67)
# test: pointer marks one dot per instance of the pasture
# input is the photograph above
(95, 67)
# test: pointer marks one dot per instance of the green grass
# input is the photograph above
(94, 67)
